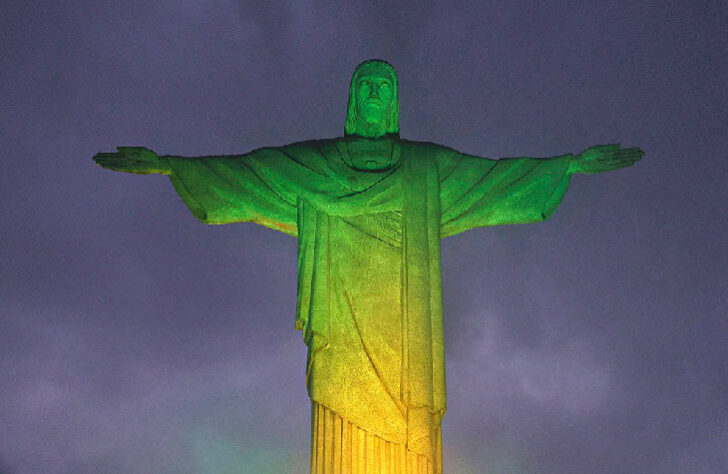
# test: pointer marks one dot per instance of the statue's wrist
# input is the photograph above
(165, 167)
(573, 164)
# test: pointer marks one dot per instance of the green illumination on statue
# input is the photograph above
(369, 210)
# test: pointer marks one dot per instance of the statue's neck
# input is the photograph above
(371, 129)
(371, 153)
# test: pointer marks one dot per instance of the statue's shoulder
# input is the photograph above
(432, 149)
(421, 145)
(312, 146)
(313, 154)
(305, 150)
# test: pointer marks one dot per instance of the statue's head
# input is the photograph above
(373, 109)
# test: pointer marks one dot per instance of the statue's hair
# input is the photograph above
(350, 125)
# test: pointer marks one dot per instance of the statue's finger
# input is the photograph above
(626, 161)
(631, 154)
(106, 156)
(637, 153)
(118, 164)
(109, 158)
(106, 161)
(631, 157)
(608, 165)
(602, 160)
(623, 165)
(611, 152)
(110, 163)
(615, 165)
(624, 157)
(616, 157)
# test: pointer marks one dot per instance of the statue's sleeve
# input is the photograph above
(476, 192)
(261, 187)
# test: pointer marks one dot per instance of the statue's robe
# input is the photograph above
(369, 279)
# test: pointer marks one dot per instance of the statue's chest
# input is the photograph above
(381, 229)
(370, 154)
(366, 249)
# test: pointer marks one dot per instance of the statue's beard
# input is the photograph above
(372, 123)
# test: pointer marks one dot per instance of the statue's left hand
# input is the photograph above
(133, 159)
(599, 159)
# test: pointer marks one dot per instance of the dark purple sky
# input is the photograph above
(134, 339)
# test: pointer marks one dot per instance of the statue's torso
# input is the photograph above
(370, 154)
(359, 337)
(363, 360)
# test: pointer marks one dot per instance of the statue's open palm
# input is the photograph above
(133, 159)
(599, 159)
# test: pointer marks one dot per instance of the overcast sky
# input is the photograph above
(134, 339)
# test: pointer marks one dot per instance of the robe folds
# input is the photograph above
(369, 279)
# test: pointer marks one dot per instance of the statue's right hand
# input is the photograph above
(133, 159)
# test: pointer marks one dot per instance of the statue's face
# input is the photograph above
(374, 94)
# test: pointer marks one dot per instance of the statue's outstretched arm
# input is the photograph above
(133, 159)
(602, 158)
(252, 187)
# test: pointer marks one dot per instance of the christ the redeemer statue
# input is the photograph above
(369, 210)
